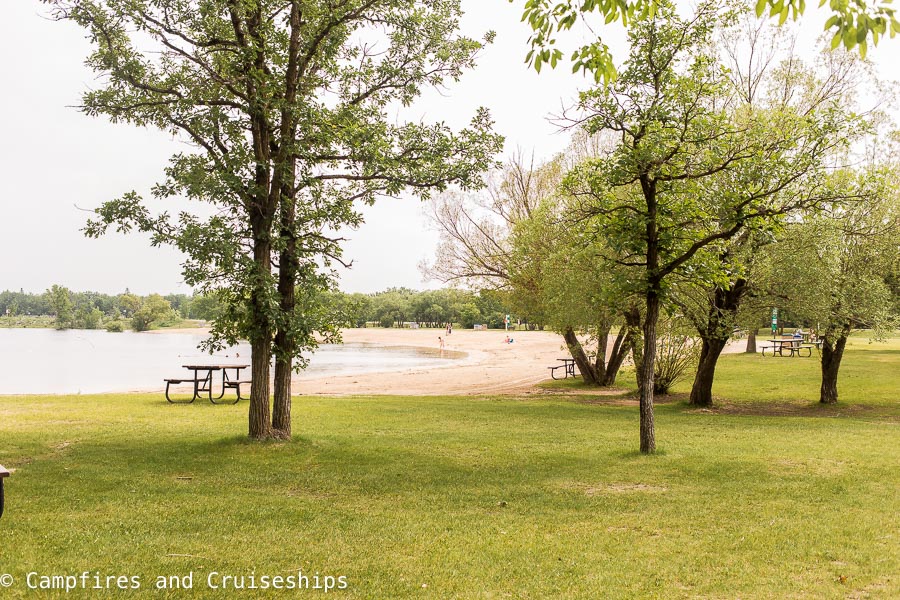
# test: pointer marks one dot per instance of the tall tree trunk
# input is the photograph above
(701, 391)
(581, 358)
(260, 425)
(633, 322)
(288, 263)
(751, 341)
(831, 363)
(285, 343)
(646, 373)
(714, 334)
(651, 316)
(621, 348)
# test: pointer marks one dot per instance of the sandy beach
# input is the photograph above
(490, 366)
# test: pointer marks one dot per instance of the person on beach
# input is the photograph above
(441, 342)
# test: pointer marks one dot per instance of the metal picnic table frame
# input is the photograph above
(203, 382)
(568, 367)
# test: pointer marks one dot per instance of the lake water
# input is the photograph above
(46, 361)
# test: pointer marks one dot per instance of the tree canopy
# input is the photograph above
(852, 24)
(286, 105)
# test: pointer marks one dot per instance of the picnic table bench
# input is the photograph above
(202, 382)
(568, 367)
(3, 475)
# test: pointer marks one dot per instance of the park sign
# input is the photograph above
(774, 320)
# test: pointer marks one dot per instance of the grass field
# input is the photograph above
(537, 497)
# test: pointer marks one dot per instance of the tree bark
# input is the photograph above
(714, 335)
(751, 341)
(701, 391)
(285, 343)
(621, 348)
(260, 425)
(602, 346)
(832, 353)
(646, 373)
(580, 356)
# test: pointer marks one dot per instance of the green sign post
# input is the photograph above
(774, 320)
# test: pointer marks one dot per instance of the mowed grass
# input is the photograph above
(869, 378)
(453, 498)
(868, 381)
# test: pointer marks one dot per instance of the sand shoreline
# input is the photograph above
(490, 367)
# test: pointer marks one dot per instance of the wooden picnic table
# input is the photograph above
(3, 475)
(792, 345)
(568, 367)
(202, 381)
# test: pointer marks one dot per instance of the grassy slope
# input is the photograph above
(472, 497)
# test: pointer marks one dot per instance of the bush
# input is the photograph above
(676, 352)
(115, 326)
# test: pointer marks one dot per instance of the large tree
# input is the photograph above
(835, 265)
(768, 80)
(684, 178)
(285, 104)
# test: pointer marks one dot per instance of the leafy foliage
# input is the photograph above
(853, 24)
(287, 105)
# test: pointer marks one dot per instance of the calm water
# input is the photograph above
(46, 361)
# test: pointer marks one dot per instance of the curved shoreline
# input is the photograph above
(491, 366)
(486, 365)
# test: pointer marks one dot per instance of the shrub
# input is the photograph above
(115, 326)
(676, 352)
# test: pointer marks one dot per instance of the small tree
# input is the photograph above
(677, 352)
(61, 306)
(153, 309)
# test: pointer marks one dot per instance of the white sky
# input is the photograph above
(55, 159)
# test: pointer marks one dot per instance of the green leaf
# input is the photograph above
(784, 15)
(836, 40)
(761, 7)
(849, 38)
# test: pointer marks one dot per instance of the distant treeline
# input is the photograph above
(394, 307)
(93, 310)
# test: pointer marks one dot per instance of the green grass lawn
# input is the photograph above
(869, 381)
(869, 377)
(535, 497)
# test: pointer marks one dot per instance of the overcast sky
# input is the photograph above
(56, 161)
